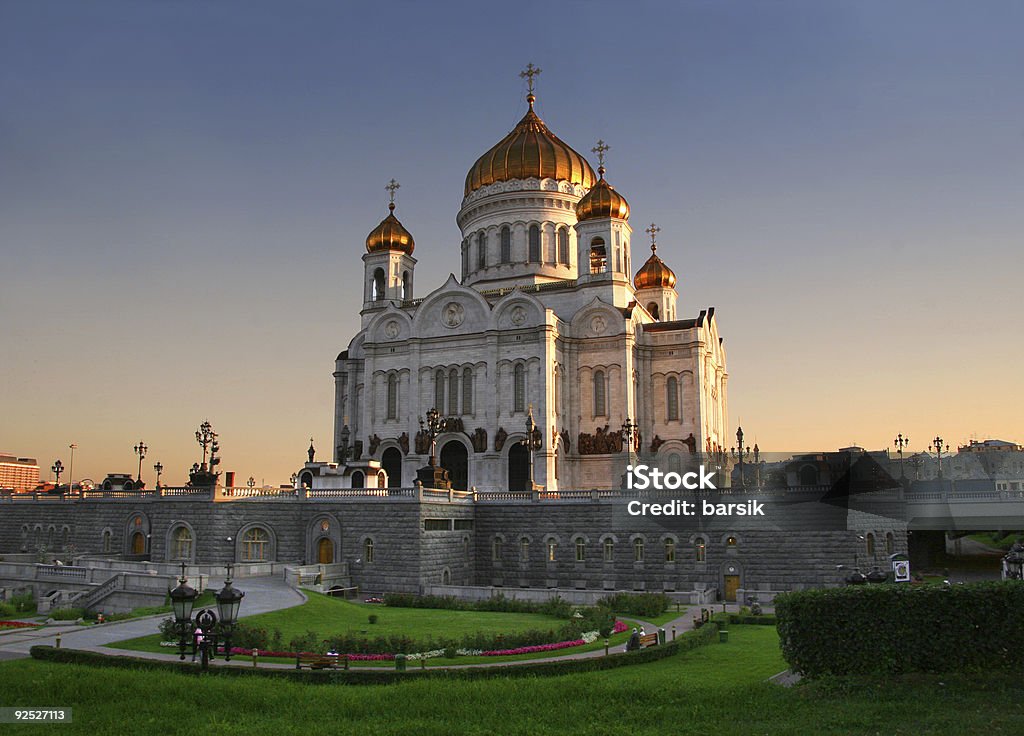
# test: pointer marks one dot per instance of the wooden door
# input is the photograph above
(138, 543)
(325, 551)
(732, 584)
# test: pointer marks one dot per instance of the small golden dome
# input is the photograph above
(390, 234)
(602, 201)
(654, 273)
(530, 151)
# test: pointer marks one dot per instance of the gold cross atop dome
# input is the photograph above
(653, 231)
(391, 187)
(529, 73)
(599, 149)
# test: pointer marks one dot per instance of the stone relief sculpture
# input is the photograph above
(374, 444)
(403, 442)
(479, 439)
(499, 439)
(601, 442)
(422, 442)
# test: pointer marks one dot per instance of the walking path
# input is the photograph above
(265, 594)
(262, 594)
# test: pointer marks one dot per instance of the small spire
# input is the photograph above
(391, 187)
(529, 73)
(599, 149)
(653, 231)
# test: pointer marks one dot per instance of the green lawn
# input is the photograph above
(719, 688)
(330, 616)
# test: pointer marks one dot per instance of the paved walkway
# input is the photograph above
(261, 595)
(272, 594)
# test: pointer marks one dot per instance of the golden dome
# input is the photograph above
(654, 274)
(602, 201)
(390, 234)
(530, 151)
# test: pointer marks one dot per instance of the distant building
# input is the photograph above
(18, 473)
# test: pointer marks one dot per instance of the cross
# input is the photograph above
(653, 231)
(529, 73)
(391, 187)
(599, 149)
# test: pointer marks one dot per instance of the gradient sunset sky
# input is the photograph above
(185, 190)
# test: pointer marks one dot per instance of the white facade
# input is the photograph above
(536, 320)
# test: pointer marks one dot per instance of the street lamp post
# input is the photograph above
(251, 482)
(140, 450)
(741, 453)
(71, 467)
(936, 447)
(900, 443)
(431, 475)
(159, 468)
(207, 627)
(58, 468)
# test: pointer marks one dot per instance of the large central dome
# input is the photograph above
(530, 151)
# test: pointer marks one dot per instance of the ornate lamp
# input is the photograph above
(229, 600)
(183, 598)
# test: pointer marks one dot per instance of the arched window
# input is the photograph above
(465, 258)
(890, 543)
(731, 542)
(600, 405)
(358, 479)
(392, 396)
(506, 245)
(598, 256)
(654, 311)
(496, 549)
(406, 285)
(378, 285)
(808, 475)
(534, 256)
(609, 549)
(255, 545)
(563, 246)
(181, 544)
(700, 550)
(368, 550)
(446, 577)
(481, 251)
(306, 480)
(524, 549)
(519, 389)
(869, 543)
(581, 550)
(638, 549)
(453, 392)
(467, 391)
(439, 390)
(552, 549)
(107, 540)
(670, 550)
(672, 398)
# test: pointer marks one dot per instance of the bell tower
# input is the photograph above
(388, 265)
(602, 231)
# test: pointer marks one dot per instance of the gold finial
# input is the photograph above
(391, 187)
(653, 231)
(599, 149)
(529, 73)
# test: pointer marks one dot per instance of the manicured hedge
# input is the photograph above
(882, 629)
(379, 677)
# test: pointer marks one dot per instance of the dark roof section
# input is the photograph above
(678, 324)
(343, 355)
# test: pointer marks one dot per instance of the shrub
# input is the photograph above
(892, 629)
(23, 603)
(66, 614)
(250, 636)
(372, 618)
(168, 630)
(637, 604)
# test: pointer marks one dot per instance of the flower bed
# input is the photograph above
(588, 638)
(17, 625)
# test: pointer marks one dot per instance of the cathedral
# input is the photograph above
(551, 360)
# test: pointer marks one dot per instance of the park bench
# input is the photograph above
(648, 640)
(318, 661)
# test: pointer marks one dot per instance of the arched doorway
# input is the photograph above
(138, 543)
(391, 461)
(358, 479)
(325, 551)
(455, 460)
(518, 467)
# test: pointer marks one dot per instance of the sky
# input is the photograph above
(186, 187)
